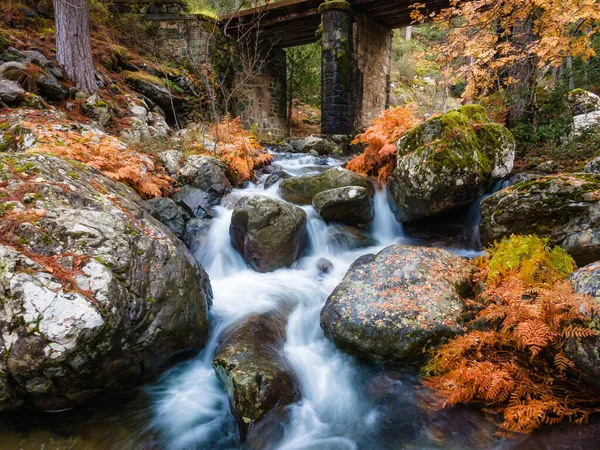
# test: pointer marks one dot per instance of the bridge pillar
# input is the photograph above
(337, 80)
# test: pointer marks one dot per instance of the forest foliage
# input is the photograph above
(379, 157)
(512, 360)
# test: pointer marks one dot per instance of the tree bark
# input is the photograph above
(570, 72)
(73, 48)
(408, 33)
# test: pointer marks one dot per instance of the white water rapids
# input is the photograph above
(190, 406)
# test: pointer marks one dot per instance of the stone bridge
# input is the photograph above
(355, 36)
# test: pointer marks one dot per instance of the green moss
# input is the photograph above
(334, 4)
(6, 208)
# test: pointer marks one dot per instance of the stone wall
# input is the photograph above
(260, 99)
(185, 36)
(373, 54)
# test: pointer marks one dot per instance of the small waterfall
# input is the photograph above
(471, 233)
(384, 226)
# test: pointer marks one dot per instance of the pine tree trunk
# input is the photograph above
(73, 48)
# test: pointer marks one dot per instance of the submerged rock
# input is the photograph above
(564, 208)
(350, 205)
(585, 352)
(95, 294)
(206, 173)
(393, 305)
(268, 233)
(302, 189)
(251, 365)
(448, 162)
(348, 237)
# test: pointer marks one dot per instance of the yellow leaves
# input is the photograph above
(379, 157)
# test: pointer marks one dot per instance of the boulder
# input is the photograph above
(97, 109)
(10, 92)
(171, 160)
(584, 352)
(393, 305)
(448, 162)
(593, 166)
(50, 89)
(583, 102)
(314, 144)
(302, 189)
(275, 177)
(17, 72)
(268, 233)
(169, 213)
(564, 208)
(154, 89)
(196, 234)
(96, 296)
(195, 201)
(257, 377)
(350, 205)
(586, 123)
(206, 173)
(348, 237)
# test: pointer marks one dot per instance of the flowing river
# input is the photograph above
(345, 404)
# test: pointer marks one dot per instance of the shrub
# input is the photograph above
(512, 360)
(379, 157)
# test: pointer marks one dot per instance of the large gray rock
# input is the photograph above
(583, 102)
(95, 294)
(50, 89)
(593, 166)
(564, 208)
(268, 233)
(195, 201)
(585, 353)
(171, 160)
(169, 213)
(314, 144)
(17, 72)
(206, 173)
(448, 162)
(256, 375)
(348, 237)
(350, 205)
(154, 89)
(393, 305)
(10, 92)
(302, 189)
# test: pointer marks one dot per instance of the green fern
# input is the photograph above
(531, 258)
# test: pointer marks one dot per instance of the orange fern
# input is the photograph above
(379, 157)
(513, 362)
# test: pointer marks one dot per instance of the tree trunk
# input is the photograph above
(570, 72)
(445, 94)
(73, 48)
(408, 34)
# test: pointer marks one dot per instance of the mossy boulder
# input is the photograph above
(448, 162)
(268, 233)
(583, 102)
(585, 352)
(350, 205)
(251, 365)
(391, 306)
(96, 296)
(302, 189)
(155, 89)
(563, 208)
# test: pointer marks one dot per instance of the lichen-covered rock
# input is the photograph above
(154, 89)
(564, 208)
(448, 162)
(98, 110)
(171, 160)
(169, 213)
(314, 144)
(95, 294)
(583, 102)
(302, 189)
(268, 233)
(10, 92)
(256, 375)
(393, 305)
(206, 173)
(350, 205)
(593, 166)
(585, 352)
